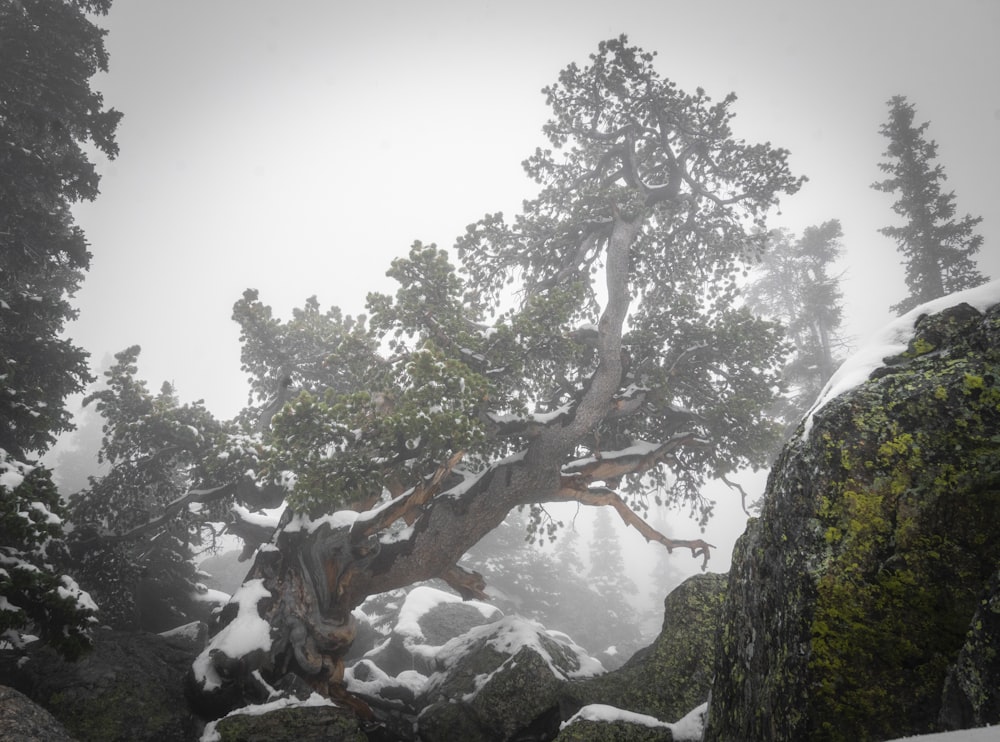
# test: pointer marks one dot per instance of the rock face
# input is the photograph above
(128, 688)
(414, 642)
(972, 688)
(867, 586)
(302, 724)
(497, 680)
(613, 731)
(674, 674)
(22, 720)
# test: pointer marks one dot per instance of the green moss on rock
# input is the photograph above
(851, 597)
(612, 731)
(302, 724)
(674, 674)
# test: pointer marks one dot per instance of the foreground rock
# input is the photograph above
(129, 688)
(674, 674)
(866, 587)
(298, 724)
(498, 680)
(22, 720)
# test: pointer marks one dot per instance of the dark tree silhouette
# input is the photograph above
(793, 284)
(938, 249)
(49, 51)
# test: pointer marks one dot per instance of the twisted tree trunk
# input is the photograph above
(292, 618)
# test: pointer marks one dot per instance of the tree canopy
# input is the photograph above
(49, 115)
(592, 349)
(793, 284)
(938, 249)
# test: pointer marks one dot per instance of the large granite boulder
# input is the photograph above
(500, 679)
(22, 720)
(304, 723)
(674, 674)
(428, 619)
(129, 688)
(866, 588)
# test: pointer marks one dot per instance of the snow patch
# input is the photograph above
(893, 340)
(423, 599)
(71, 591)
(212, 735)
(12, 471)
(509, 636)
(245, 633)
(983, 734)
(185, 631)
(688, 729)
(339, 519)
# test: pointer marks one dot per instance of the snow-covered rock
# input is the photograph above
(498, 679)
(852, 601)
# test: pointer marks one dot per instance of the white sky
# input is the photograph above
(297, 147)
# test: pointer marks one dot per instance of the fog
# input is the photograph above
(298, 147)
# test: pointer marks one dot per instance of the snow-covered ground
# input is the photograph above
(511, 633)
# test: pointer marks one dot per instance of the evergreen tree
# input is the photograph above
(937, 248)
(49, 51)
(793, 285)
(666, 575)
(517, 571)
(142, 571)
(627, 361)
(616, 622)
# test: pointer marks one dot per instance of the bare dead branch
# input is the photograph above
(604, 497)
(737, 486)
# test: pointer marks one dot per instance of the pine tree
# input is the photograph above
(793, 285)
(142, 576)
(49, 51)
(614, 622)
(937, 248)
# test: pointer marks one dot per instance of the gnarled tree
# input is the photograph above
(592, 350)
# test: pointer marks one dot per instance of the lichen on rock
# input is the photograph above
(674, 674)
(852, 594)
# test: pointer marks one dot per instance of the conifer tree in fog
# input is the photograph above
(617, 623)
(794, 284)
(49, 116)
(591, 349)
(938, 249)
(135, 538)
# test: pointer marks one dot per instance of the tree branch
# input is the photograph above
(405, 506)
(172, 508)
(604, 497)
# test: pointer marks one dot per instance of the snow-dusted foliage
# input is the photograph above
(36, 598)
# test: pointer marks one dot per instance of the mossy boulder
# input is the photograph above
(674, 674)
(300, 723)
(23, 720)
(613, 731)
(852, 596)
(972, 688)
(498, 680)
(128, 688)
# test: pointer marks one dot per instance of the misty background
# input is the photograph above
(298, 148)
